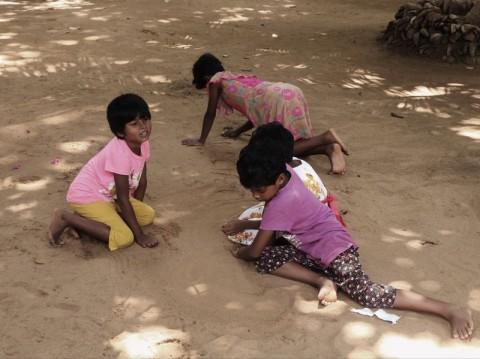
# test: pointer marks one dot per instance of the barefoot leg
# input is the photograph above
(334, 152)
(460, 319)
(297, 272)
(73, 233)
(309, 146)
(337, 161)
(56, 228)
(336, 139)
(93, 228)
(328, 292)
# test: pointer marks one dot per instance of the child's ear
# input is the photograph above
(281, 179)
(120, 135)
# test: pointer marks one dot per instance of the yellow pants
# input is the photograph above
(121, 235)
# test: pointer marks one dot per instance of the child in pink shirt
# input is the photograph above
(322, 252)
(107, 195)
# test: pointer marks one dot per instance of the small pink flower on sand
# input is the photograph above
(232, 89)
(260, 92)
(288, 94)
(297, 111)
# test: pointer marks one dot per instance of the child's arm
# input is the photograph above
(252, 252)
(214, 92)
(238, 225)
(235, 132)
(127, 212)
(142, 185)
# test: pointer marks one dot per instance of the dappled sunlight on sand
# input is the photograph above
(65, 42)
(410, 239)
(234, 306)
(58, 4)
(469, 128)
(394, 345)
(363, 78)
(418, 91)
(75, 146)
(356, 332)
(33, 185)
(197, 289)
(7, 35)
(151, 342)
(231, 14)
(404, 232)
(157, 79)
(22, 206)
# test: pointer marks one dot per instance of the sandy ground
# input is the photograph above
(411, 191)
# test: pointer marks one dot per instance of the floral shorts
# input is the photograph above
(345, 270)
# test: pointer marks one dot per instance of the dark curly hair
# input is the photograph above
(206, 66)
(126, 108)
(274, 138)
(257, 170)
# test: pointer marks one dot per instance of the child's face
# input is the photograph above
(137, 131)
(266, 193)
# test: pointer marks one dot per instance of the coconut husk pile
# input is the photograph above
(448, 27)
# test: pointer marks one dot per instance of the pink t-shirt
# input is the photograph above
(95, 182)
(297, 211)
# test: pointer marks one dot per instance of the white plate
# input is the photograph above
(246, 237)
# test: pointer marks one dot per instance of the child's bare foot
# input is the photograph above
(146, 241)
(331, 132)
(461, 322)
(72, 232)
(57, 226)
(235, 226)
(328, 292)
(337, 161)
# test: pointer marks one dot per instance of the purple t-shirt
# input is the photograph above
(317, 231)
(95, 181)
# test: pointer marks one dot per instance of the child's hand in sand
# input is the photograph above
(328, 292)
(191, 142)
(235, 250)
(230, 132)
(145, 241)
(235, 226)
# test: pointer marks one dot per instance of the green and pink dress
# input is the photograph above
(264, 102)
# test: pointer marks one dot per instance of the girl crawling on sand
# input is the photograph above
(262, 102)
(322, 252)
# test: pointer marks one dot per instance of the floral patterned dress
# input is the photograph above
(264, 102)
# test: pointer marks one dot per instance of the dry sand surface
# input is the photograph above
(411, 190)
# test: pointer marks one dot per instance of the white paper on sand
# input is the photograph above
(380, 314)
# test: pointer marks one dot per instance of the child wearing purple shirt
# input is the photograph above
(323, 253)
(318, 232)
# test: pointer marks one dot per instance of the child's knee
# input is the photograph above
(147, 215)
(120, 238)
